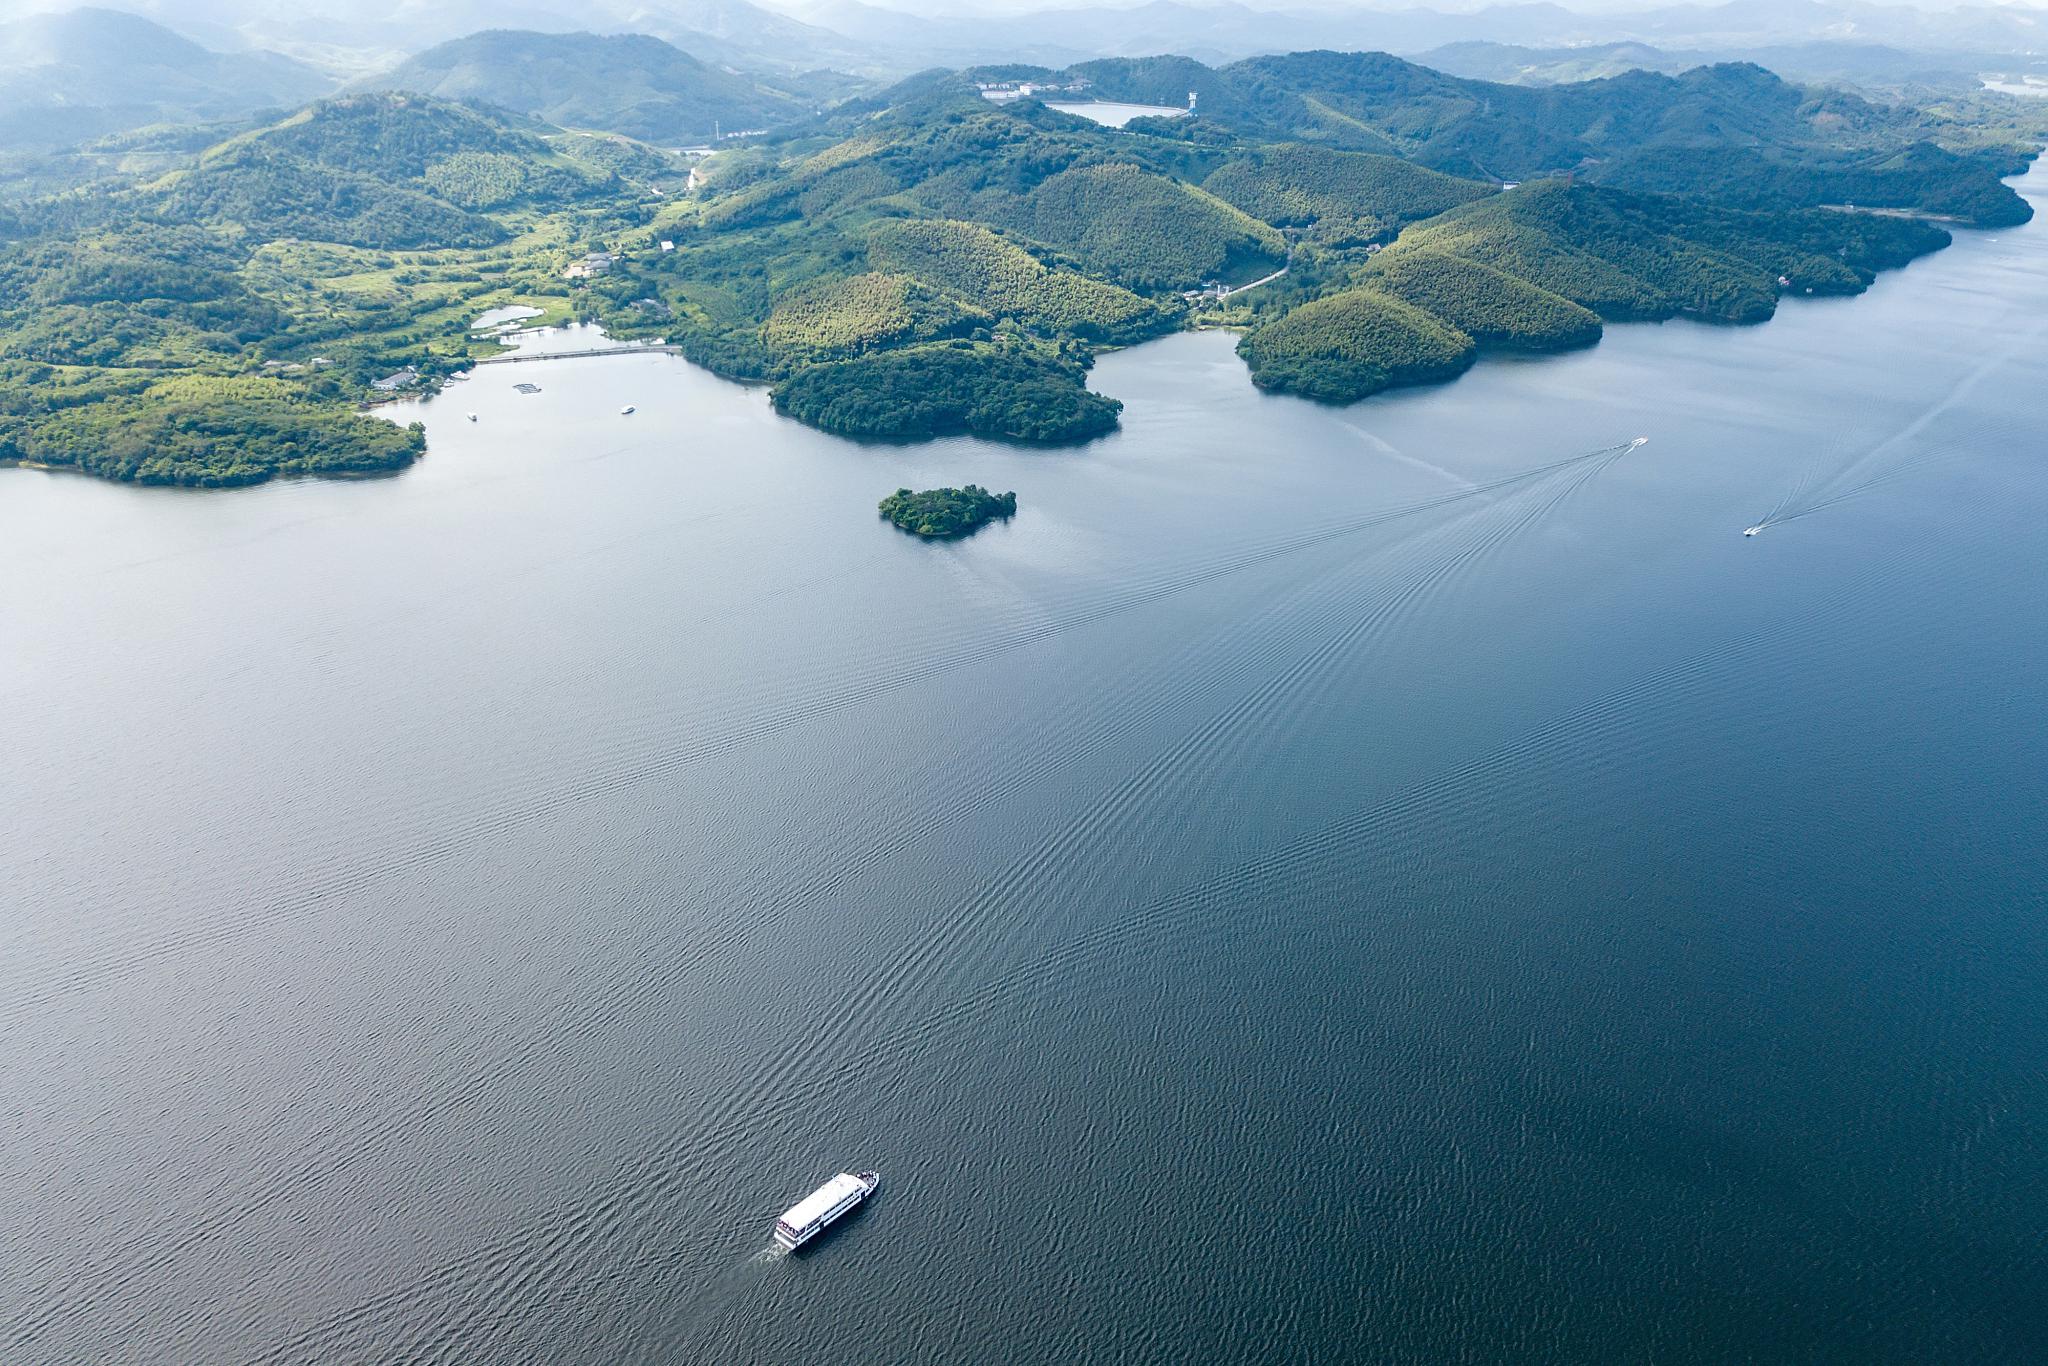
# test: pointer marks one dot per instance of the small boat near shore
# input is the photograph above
(813, 1214)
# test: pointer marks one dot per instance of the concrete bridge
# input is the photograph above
(638, 349)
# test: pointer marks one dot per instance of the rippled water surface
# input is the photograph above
(1404, 882)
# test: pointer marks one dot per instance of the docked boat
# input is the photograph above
(810, 1216)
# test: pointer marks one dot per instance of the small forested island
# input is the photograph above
(916, 261)
(943, 514)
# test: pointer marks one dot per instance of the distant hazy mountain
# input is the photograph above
(632, 84)
(357, 36)
(77, 75)
(1231, 30)
(1827, 62)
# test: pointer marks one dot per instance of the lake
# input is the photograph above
(1114, 115)
(1400, 882)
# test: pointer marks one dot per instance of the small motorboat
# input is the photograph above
(1751, 531)
(626, 411)
(472, 417)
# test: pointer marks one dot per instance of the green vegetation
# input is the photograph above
(221, 325)
(1146, 231)
(1732, 132)
(924, 263)
(1490, 306)
(1003, 393)
(944, 514)
(209, 434)
(975, 263)
(1630, 256)
(860, 313)
(1346, 346)
(1921, 177)
(1344, 198)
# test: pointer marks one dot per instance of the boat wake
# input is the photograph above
(1821, 488)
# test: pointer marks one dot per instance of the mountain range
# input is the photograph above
(68, 77)
(626, 83)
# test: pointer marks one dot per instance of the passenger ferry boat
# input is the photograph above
(810, 1216)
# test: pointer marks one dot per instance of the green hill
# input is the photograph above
(918, 263)
(974, 263)
(627, 83)
(221, 324)
(1144, 230)
(1733, 131)
(1351, 344)
(1345, 197)
(839, 316)
(378, 170)
(1488, 305)
(1628, 256)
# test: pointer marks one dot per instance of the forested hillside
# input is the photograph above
(1538, 267)
(926, 261)
(221, 324)
(1732, 131)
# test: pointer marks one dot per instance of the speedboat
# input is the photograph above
(472, 417)
(1751, 531)
(626, 411)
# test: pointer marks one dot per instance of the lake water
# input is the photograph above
(1319, 884)
(1114, 115)
(2033, 87)
(509, 313)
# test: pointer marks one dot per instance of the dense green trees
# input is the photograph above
(165, 332)
(1144, 230)
(1348, 345)
(843, 316)
(1922, 176)
(1489, 306)
(1732, 132)
(1346, 197)
(1630, 256)
(212, 436)
(972, 261)
(924, 262)
(943, 514)
(1007, 393)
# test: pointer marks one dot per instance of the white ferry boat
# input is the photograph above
(810, 1216)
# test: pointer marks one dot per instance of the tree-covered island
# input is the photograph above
(918, 261)
(945, 514)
